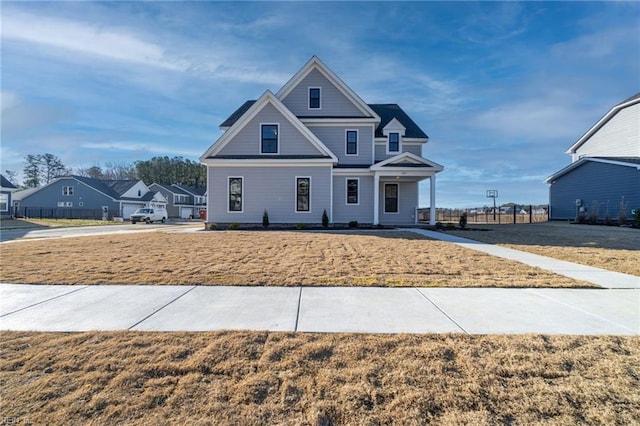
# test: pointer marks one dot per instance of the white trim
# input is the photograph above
(388, 151)
(65, 189)
(268, 162)
(346, 191)
(315, 121)
(583, 160)
(309, 98)
(406, 155)
(277, 139)
(384, 193)
(346, 142)
(295, 194)
(608, 116)
(241, 194)
(316, 63)
(251, 113)
(352, 172)
(5, 195)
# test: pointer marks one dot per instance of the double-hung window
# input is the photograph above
(303, 194)
(67, 190)
(391, 198)
(4, 202)
(314, 98)
(269, 138)
(394, 142)
(352, 191)
(235, 194)
(352, 142)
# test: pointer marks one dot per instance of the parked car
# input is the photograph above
(149, 215)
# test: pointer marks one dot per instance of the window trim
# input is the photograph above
(389, 143)
(346, 141)
(397, 185)
(4, 196)
(67, 191)
(309, 98)
(260, 140)
(64, 204)
(241, 194)
(295, 198)
(346, 191)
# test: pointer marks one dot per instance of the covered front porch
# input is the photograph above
(396, 188)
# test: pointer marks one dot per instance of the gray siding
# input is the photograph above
(596, 184)
(247, 141)
(48, 197)
(172, 209)
(343, 212)
(333, 103)
(334, 137)
(407, 204)
(619, 137)
(270, 188)
(381, 151)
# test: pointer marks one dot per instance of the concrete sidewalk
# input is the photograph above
(320, 309)
(601, 277)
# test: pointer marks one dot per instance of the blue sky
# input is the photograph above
(502, 88)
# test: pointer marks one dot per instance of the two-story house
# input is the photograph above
(316, 146)
(603, 178)
(6, 189)
(183, 201)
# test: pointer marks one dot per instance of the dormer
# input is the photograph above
(394, 131)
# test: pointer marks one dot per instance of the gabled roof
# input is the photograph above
(407, 160)
(191, 190)
(388, 112)
(617, 161)
(174, 189)
(316, 64)
(237, 114)
(5, 184)
(267, 98)
(608, 116)
(24, 193)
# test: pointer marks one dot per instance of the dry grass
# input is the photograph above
(266, 258)
(307, 379)
(613, 248)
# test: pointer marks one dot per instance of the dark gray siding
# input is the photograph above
(333, 102)
(270, 188)
(600, 186)
(291, 141)
(49, 196)
(345, 213)
(334, 138)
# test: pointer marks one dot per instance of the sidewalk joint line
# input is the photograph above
(441, 310)
(160, 308)
(44, 301)
(295, 327)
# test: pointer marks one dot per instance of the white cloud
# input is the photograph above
(140, 146)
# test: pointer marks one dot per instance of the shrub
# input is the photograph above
(439, 225)
(463, 221)
(212, 226)
(450, 226)
(636, 218)
(234, 225)
(581, 218)
(265, 219)
(607, 220)
(301, 225)
(622, 212)
(353, 224)
(325, 219)
(593, 218)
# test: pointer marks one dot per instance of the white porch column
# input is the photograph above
(432, 200)
(376, 198)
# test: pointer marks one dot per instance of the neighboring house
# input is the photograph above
(6, 189)
(182, 201)
(78, 196)
(604, 176)
(316, 146)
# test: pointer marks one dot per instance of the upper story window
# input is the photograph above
(314, 98)
(352, 142)
(179, 198)
(269, 138)
(394, 142)
(67, 190)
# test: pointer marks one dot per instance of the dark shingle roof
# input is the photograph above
(5, 183)
(276, 157)
(112, 188)
(388, 112)
(636, 96)
(174, 189)
(191, 189)
(237, 114)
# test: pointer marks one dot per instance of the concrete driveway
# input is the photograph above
(320, 309)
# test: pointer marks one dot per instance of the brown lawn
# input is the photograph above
(613, 248)
(229, 378)
(277, 258)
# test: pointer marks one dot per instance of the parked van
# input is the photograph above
(149, 215)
